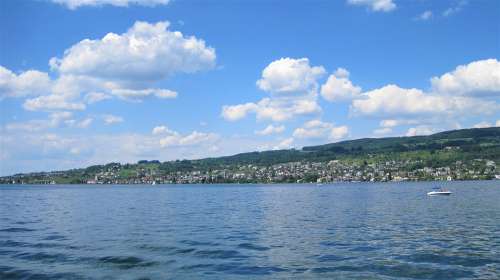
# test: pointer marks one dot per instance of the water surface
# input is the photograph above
(353, 231)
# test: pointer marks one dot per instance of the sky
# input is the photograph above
(86, 82)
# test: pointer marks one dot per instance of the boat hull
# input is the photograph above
(439, 193)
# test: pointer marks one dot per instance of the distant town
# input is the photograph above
(469, 154)
(292, 172)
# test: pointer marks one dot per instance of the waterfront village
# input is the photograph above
(293, 172)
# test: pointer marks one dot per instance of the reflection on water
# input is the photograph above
(355, 231)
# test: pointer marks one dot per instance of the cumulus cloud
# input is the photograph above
(26, 83)
(426, 15)
(84, 123)
(158, 130)
(288, 75)
(338, 87)
(172, 138)
(469, 90)
(111, 119)
(127, 66)
(146, 52)
(54, 120)
(478, 78)
(237, 112)
(483, 124)
(52, 102)
(393, 123)
(284, 144)
(391, 100)
(316, 129)
(382, 131)
(420, 130)
(455, 9)
(292, 85)
(375, 5)
(74, 4)
(194, 138)
(94, 97)
(138, 95)
(271, 129)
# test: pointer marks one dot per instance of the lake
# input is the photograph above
(344, 230)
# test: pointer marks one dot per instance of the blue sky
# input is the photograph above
(89, 82)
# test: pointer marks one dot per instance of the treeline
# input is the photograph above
(435, 150)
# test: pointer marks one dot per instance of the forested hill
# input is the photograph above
(476, 140)
(465, 154)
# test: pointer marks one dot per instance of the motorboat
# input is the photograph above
(439, 191)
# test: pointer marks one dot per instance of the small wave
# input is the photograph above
(7, 273)
(183, 251)
(198, 243)
(233, 268)
(248, 270)
(155, 248)
(220, 254)
(332, 258)
(250, 246)
(364, 249)
(16, 229)
(17, 244)
(55, 237)
(334, 244)
(42, 257)
(126, 262)
(405, 271)
(472, 261)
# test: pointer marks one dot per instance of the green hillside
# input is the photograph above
(463, 154)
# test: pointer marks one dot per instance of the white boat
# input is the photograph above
(440, 192)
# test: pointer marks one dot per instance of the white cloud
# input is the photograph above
(52, 102)
(275, 109)
(31, 126)
(288, 75)
(126, 65)
(420, 130)
(284, 144)
(338, 87)
(145, 53)
(94, 97)
(389, 123)
(60, 116)
(455, 9)
(375, 5)
(292, 85)
(137, 95)
(159, 130)
(172, 138)
(426, 15)
(478, 78)
(74, 4)
(84, 123)
(339, 132)
(317, 129)
(391, 100)
(483, 124)
(393, 123)
(194, 138)
(237, 112)
(497, 123)
(271, 129)
(27, 83)
(382, 131)
(55, 120)
(111, 119)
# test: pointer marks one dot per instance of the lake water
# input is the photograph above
(353, 231)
